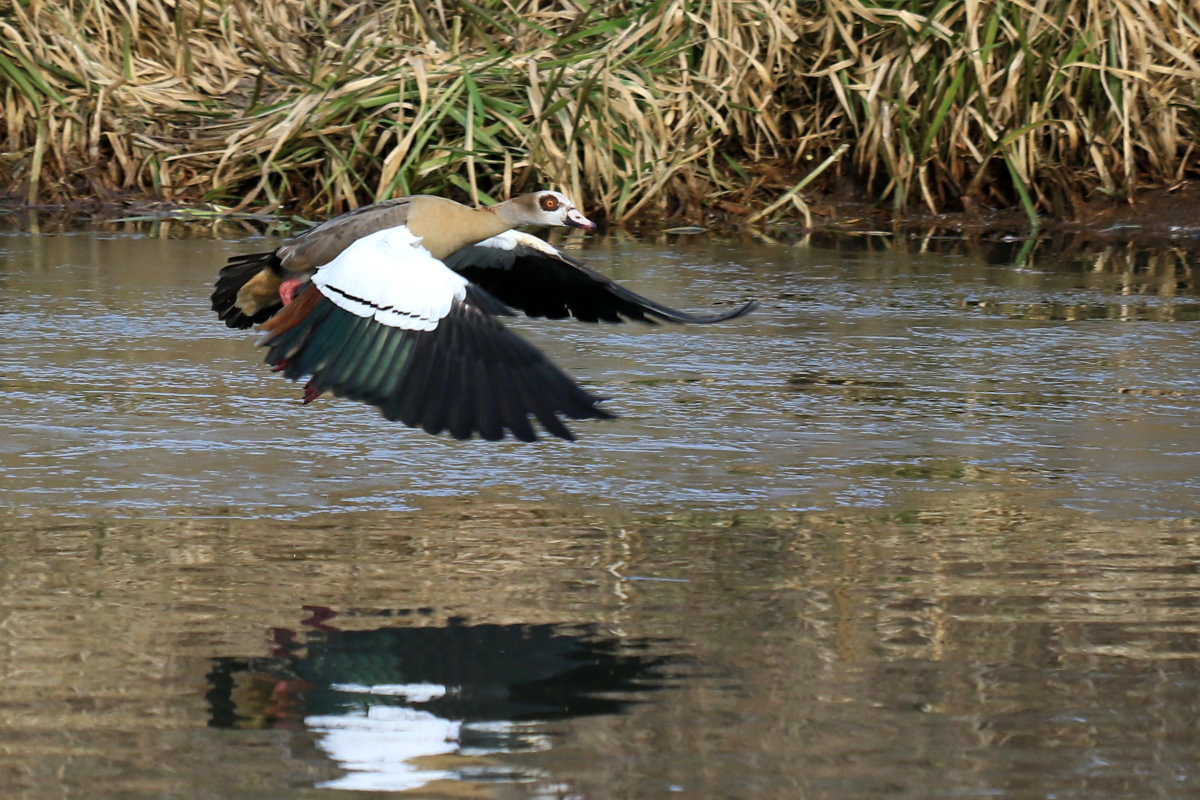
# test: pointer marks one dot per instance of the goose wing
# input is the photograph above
(388, 324)
(320, 245)
(529, 274)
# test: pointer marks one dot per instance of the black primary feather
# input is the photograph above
(557, 286)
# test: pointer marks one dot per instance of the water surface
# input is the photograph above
(924, 525)
(864, 374)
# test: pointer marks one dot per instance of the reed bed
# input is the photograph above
(639, 109)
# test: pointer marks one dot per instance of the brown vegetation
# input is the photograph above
(681, 106)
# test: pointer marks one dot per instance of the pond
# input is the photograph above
(924, 524)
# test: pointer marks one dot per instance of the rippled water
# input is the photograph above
(923, 525)
(864, 375)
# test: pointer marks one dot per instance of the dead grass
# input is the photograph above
(638, 109)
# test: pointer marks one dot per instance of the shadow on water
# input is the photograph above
(924, 525)
(401, 707)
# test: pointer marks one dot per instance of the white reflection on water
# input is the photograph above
(381, 746)
(376, 745)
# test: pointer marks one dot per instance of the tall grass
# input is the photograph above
(640, 109)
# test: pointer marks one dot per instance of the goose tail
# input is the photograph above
(247, 289)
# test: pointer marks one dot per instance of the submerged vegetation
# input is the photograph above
(680, 106)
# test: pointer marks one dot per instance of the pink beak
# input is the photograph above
(575, 219)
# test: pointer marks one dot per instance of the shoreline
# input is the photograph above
(1154, 217)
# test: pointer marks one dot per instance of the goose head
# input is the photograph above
(544, 208)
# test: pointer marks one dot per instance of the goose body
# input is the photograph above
(396, 304)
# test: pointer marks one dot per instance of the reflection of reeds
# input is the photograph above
(673, 104)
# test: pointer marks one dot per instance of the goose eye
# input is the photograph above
(549, 203)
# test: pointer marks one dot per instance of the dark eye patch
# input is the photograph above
(548, 202)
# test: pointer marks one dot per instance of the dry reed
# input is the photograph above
(671, 107)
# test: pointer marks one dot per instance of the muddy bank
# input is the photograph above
(1155, 217)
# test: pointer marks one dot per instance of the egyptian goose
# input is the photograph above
(395, 304)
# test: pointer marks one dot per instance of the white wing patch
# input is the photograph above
(510, 240)
(390, 276)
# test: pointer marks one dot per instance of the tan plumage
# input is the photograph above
(259, 293)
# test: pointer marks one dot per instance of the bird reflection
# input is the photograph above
(399, 707)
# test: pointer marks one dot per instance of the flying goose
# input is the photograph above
(395, 304)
